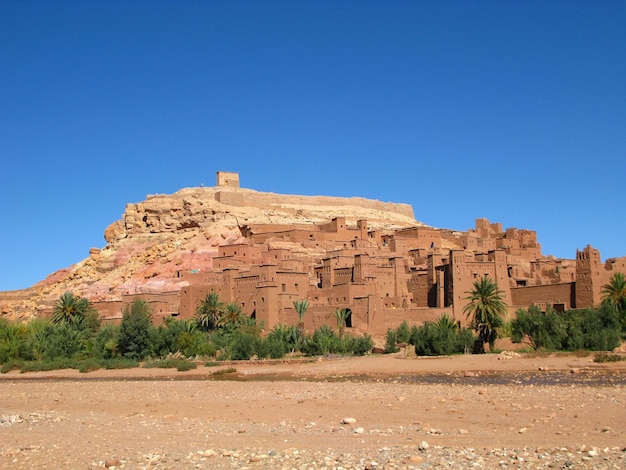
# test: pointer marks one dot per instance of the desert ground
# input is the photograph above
(374, 412)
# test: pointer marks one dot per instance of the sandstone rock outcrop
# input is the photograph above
(165, 234)
(194, 208)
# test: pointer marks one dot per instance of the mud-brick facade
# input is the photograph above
(591, 275)
(383, 278)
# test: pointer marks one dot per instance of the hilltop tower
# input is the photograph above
(227, 179)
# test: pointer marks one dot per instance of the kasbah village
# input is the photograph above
(393, 411)
(264, 251)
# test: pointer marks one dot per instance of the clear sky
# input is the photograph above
(510, 110)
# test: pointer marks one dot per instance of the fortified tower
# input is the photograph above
(227, 179)
(588, 269)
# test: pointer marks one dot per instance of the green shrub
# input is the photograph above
(12, 341)
(441, 338)
(172, 363)
(538, 329)
(604, 357)
(105, 342)
(12, 364)
(289, 336)
(391, 341)
(323, 341)
(361, 345)
(134, 334)
(589, 329)
(50, 364)
(89, 365)
(118, 363)
(602, 328)
(243, 347)
(185, 366)
(403, 333)
(271, 347)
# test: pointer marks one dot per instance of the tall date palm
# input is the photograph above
(486, 309)
(614, 292)
(209, 312)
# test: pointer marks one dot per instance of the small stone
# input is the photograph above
(348, 421)
(112, 463)
(462, 432)
(423, 446)
(592, 453)
(523, 430)
(359, 431)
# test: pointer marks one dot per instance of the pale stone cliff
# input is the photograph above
(168, 233)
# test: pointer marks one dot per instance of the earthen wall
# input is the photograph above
(553, 294)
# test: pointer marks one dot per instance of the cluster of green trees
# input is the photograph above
(442, 337)
(594, 329)
(218, 330)
(485, 310)
(222, 331)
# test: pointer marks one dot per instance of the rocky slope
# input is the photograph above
(167, 233)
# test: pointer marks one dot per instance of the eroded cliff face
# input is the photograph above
(165, 234)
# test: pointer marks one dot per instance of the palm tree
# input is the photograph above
(486, 308)
(445, 322)
(341, 316)
(232, 315)
(209, 311)
(301, 307)
(614, 292)
(72, 309)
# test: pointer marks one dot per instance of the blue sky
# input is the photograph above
(513, 111)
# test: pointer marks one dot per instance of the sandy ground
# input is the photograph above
(289, 415)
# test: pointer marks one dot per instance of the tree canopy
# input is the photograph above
(486, 309)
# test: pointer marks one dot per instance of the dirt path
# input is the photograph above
(481, 410)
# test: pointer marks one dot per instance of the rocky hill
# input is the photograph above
(168, 233)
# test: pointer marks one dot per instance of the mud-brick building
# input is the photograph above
(591, 275)
(384, 278)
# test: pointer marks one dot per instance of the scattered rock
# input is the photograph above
(112, 463)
